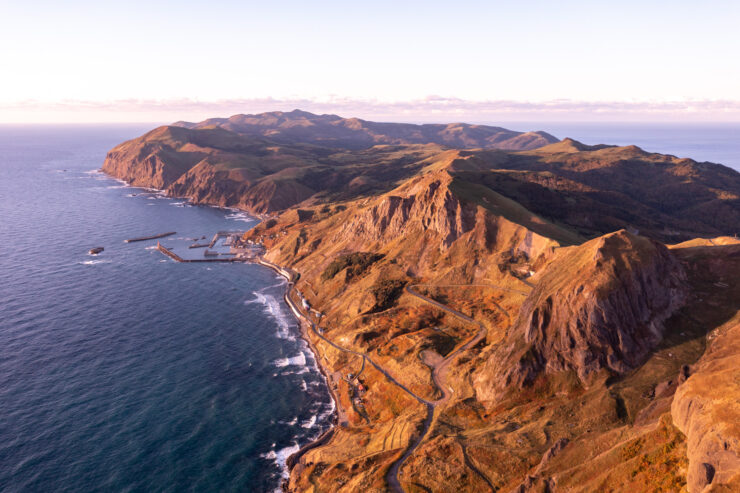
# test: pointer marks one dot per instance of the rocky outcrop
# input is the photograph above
(706, 408)
(600, 305)
(428, 206)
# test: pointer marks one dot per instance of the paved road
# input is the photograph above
(437, 370)
(438, 373)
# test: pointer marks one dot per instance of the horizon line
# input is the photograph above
(424, 110)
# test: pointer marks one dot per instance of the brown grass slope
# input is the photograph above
(586, 341)
(598, 189)
(624, 315)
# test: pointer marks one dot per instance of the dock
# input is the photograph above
(178, 258)
(153, 237)
(230, 235)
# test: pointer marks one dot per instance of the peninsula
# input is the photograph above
(494, 310)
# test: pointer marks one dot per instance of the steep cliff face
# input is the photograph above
(600, 305)
(706, 408)
(207, 184)
(427, 205)
(154, 160)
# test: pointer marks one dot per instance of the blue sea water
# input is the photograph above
(127, 371)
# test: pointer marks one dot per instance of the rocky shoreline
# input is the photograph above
(294, 458)
(325, 436)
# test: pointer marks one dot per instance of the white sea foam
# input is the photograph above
(299, 360)
(239, 216)
(151, 247)
(280, 457)
(94, 262)
(329, 411)
(273, 308)
(310, 423)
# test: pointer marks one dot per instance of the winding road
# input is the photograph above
(438, 369)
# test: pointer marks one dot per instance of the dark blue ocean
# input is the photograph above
(128, 371)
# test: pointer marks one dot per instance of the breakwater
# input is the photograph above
(153, 237)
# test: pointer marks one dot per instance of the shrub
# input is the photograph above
(356, 263)
(386, 292)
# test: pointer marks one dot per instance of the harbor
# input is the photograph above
(225, 246)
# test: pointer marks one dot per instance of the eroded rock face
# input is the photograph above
(600, 305)
(431, 206)
(706, 408)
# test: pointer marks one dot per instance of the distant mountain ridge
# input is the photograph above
(355, 133)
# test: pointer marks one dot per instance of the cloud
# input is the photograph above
(427, 109)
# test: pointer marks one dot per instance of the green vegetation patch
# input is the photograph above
(386, 292)
(355, 263)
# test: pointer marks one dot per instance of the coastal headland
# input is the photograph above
(490, 314)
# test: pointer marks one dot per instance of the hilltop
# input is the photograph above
(513, 320)
(354, 133)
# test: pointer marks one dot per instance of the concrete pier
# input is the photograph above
(153, 237)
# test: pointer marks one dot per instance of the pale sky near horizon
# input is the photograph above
(93, 53)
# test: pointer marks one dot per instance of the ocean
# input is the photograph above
(127, 371)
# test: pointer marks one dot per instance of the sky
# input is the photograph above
(401, 60)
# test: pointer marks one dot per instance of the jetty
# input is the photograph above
(153, 237)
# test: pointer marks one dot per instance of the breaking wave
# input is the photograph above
(273, 308)
(299, 360)
(280, 457)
